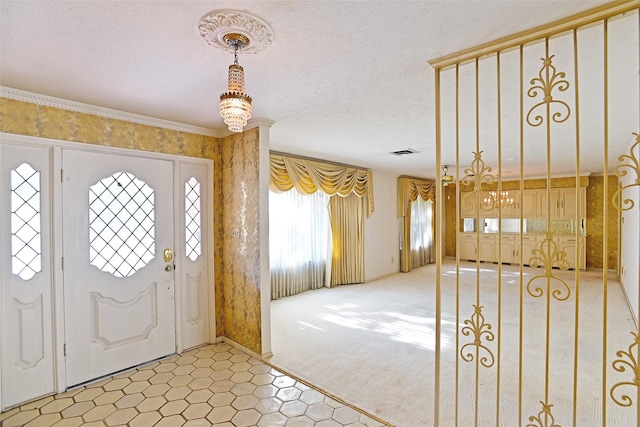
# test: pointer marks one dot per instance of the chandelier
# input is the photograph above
(446, 179)
(498, 199)
(235, 104)
(232, 31)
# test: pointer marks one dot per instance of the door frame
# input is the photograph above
(56, 250)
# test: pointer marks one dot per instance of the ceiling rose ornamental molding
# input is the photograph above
(79, 107)
(216, 24)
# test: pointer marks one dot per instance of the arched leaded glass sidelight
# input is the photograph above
(121, 224)
(26, 251)
(193, 233)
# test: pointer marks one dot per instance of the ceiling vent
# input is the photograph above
(405, 152)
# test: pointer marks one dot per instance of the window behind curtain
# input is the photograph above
(421, 232)
(299, 235)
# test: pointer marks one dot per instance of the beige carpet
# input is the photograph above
(373, 346)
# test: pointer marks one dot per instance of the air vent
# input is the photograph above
(405, 152)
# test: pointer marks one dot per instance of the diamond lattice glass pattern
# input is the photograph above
(121, 224)
(192, 218)
(26, 251)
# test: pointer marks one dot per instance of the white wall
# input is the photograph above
(630, 235)
(382, 229)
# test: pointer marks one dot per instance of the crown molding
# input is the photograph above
(251, 124)
(79, 107)
(259, 121)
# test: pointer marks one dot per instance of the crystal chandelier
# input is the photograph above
(497, 199)
(235, 104)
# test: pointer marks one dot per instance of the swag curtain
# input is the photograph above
(348, 187)
(409, 189)
(308, 176)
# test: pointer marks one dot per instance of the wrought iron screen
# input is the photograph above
(539, 324)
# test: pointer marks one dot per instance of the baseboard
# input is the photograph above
(243, 348)
(634, 316)
(381, 277)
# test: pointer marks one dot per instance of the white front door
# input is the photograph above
(26, 334)
(118, 266)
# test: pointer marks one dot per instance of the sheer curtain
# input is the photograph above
(421, 232)
(298, 241)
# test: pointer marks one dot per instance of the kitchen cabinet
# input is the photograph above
(568, 206)
(529, 243)
(468, 205)
(544, 199)
(488, 209)
(563, 203)
(468, 242)
(510, 246)
(529, 207)
(487, 248)
(570, 245)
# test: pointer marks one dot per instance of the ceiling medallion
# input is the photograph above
(215, 25)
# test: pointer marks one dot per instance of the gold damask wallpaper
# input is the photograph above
(237, 261)
(450, 220)
(595, 223)
(235, 195)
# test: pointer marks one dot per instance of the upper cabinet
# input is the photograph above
(563, 203)
(468, 205)
(532, 204)
(529, 206)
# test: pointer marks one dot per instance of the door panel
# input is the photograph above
(26, 279)
(119, 291)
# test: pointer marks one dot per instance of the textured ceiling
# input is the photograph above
(346, 81)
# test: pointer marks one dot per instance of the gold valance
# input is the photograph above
(410, 188)
(308, 176)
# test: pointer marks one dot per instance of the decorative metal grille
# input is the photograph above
(192, 219)
(121, 224)
(567, 347)
(26, 250)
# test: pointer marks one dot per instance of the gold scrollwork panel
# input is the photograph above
(478, 328)
(627, 360)
(548, 256)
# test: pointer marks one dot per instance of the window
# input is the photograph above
(26, 251)
(121, 224)
(421, 232)
(299, 235)
(192, 207)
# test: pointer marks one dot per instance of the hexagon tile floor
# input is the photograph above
(216, 385)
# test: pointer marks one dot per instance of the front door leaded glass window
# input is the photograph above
(26, 252)
(192, 219)
(121, 224)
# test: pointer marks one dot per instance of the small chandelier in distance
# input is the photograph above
(497, 199)
(446, 179)
(235, 104)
